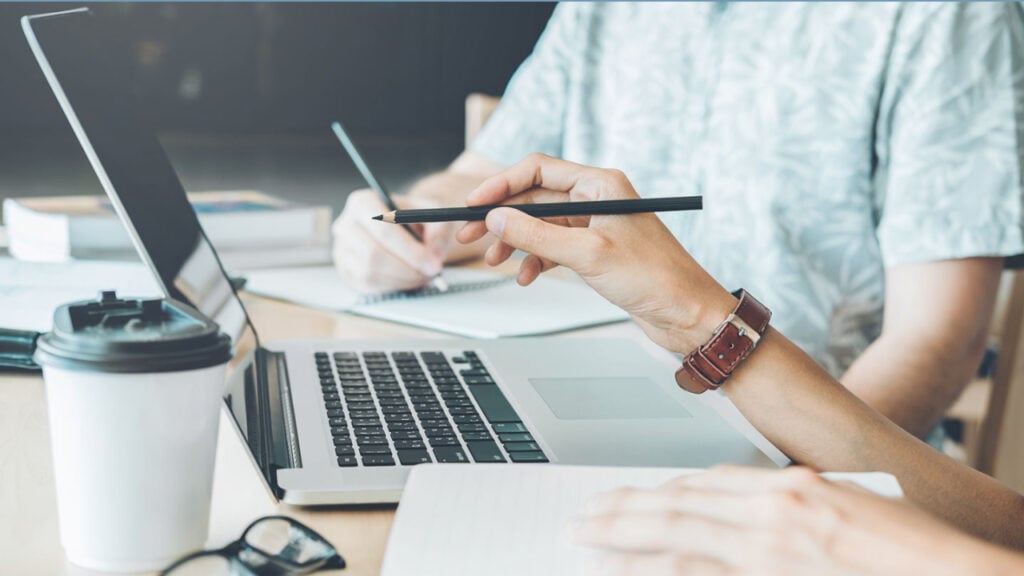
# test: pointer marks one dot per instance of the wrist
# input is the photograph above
(706, 314)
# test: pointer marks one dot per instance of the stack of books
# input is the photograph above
(249, 229)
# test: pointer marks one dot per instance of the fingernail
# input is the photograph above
(496, 222)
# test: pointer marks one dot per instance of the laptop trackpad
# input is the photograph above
(607, 399)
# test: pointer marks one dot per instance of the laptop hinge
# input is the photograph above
(279, 446)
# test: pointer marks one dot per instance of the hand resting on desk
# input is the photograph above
(743, 521)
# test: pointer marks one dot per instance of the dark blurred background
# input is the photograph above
(242, 93)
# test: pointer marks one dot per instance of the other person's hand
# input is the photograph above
(632, 260)
(744, 521)
(375, 257)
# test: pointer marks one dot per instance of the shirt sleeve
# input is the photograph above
(531, 115)
(949, 135)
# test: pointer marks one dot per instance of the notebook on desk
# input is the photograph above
(511, 521)
(478, 304)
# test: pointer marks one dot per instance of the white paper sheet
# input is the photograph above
(31, 291)
(480, 304)
(510, 520)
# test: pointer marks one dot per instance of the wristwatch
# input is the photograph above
(707, 367)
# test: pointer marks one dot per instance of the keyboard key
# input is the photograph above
(369, 430)
(493, 404)
(528, 457)
(398, 426)
(398, 417)
(337, 421)
(469, 436)
(378, 461)
(407, 435)
(502, 428)
(485, 451)
(516, 437)
(366, 421)
(472, 381)
(372, 441)
(411, 457)
(466, 418)
(342, 440)
(365, 451)
(438, 431)
(472, 428)
(409, 444)
(346, 450)
(450, 440)
(359, 406)
(347, 461)
(335, 413)
(450, 454)
(522, 447)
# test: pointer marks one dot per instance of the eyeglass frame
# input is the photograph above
(234, 550)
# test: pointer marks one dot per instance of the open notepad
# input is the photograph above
(479, 304)
(510, 520)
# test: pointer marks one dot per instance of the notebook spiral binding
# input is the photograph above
(432, 291)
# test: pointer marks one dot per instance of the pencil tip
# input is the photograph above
(378, 217)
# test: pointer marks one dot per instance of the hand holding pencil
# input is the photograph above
(635, 262)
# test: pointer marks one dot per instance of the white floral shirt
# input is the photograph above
(829, 141)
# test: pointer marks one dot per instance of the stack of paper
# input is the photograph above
(31, 291)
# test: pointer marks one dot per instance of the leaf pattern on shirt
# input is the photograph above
(829, 140)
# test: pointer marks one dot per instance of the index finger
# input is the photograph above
(536, 170)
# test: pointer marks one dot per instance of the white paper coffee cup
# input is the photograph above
(133, 391)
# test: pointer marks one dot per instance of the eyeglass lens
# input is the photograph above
(280, 538)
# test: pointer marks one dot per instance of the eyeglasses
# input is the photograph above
(270, 546)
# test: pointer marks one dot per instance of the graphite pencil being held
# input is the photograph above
(546, 210)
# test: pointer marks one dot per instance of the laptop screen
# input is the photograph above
(89, 70)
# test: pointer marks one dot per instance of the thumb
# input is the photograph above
(561, 245)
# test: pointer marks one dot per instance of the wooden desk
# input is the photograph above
(29, 540)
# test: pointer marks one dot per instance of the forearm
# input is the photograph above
(816, 421)
(913, 380)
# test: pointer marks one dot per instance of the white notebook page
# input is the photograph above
(510, 520)
(480, 303)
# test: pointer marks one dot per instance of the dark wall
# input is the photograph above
(388, 68)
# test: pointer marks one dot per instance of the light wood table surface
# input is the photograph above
(29, 541)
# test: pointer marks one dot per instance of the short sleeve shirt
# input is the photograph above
(829, 141)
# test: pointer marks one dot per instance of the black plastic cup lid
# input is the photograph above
(111, 334)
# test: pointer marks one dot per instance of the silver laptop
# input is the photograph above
(343, 421)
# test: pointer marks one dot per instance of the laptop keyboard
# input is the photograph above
(408, 408)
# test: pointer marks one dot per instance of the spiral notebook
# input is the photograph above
(478, 304)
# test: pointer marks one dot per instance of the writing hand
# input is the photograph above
(372, 257)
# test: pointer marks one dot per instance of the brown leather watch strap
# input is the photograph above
(707, 367)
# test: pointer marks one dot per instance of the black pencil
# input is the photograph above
(546, 210)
